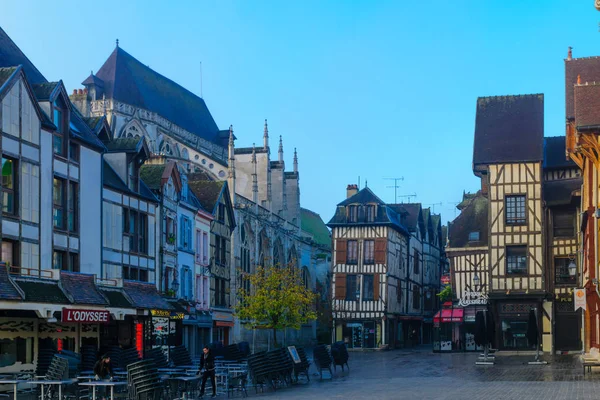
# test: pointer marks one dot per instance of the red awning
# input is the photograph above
(224, 323)
(449, 315)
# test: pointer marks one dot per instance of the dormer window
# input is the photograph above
(352, 212)
(370, 213)
(59, 114)
(473, 236)
(133, 176)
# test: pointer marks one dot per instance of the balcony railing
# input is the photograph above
(30, 272)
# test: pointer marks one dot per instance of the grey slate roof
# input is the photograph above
(81, 131)
(207, 192)
(43, 91)
(111, 179)
(473, 218)
(555, 155)
(81, 288)
(385, 215)
(127, 145)
(589, 70)
(42, 291)
(12, 56)
(129, 81)
(145, 295)
(5, 74)
(414, 217)
(509, 129)
(561, 192)
(152, 175)
(8, 291)
(116, 297)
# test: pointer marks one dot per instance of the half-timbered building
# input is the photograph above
(371, 254)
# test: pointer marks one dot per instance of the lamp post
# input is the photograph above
(475, 281)
(175, 286)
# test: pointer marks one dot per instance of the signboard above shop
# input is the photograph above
(167, 314)
(85, 316)
(469, 298)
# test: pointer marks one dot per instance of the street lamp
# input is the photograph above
(175, 286)
(572, 268)
(475, 280)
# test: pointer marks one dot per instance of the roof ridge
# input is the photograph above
(501, 96)
(2, 31)
(583, 58)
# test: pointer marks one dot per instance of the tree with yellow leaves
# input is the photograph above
(277, 299)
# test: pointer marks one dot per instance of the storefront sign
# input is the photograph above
(85, 316)
(222, 316)
(167, 314)
(579, 295)
(469, 298)
(445, 280)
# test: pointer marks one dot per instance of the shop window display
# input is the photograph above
(18, 350)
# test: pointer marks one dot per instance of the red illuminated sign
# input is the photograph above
(85, 316)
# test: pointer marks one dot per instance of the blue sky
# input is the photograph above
(376, 89)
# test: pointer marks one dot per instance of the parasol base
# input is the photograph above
(537, 362)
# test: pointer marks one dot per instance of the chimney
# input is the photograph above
(351, 190)
(484, 185)
(578, 79)
(570, 54)
(74, 92)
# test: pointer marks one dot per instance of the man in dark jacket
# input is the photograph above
(104, 371)
(207, 363)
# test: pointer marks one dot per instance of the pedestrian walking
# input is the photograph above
(207, 368)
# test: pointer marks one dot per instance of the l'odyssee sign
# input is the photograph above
(85, 316)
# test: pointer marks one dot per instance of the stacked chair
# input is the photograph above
(340, 355)
(89, 355)
(258, 367)
(303, 366)
(180, 356)
(157, 356)
(129, 356)
(281, 366)
(322, 359)
(233, 353)
(144, 381)
(45, 357)
(58, 370)
(115, 353)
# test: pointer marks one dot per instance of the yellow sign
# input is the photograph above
(167, 314)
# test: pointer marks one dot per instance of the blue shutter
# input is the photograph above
(181, 230)
(189, 234)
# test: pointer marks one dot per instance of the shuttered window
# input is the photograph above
(352, 293)
(416, 297)
(376, 287)
(564, 223)
(369, 251)
(417, 261)
(368, 288)
(341, 251)
(340, 286)
(380, 251)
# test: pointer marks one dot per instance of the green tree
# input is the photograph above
(277, 300)
(446, 294)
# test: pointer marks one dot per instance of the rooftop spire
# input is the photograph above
(254, 177)
(117, 42)
(570, 53)
(253, 153)
(266, 136)
(280, 149)
(295, 161)
(231, 153)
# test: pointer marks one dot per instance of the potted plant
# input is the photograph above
(171, 238)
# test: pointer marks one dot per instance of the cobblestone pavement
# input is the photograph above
(421, 374)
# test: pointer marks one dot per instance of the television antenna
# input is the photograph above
(408, 196)
(395, 186)
(433, 206)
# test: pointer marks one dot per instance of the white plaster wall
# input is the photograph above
(90, 206)
(46, 176)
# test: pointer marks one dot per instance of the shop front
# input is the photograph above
(360, 334)
(199, 325)
(454, 324)
(567, 324)
(222, 324)
(511, 317)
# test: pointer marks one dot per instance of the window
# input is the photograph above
(205, 248)
(220, 292)
(352, 213)
(352, 252)
(29, 196)
(170, 230)
(135, 229)
(74, 262)
(16, 350)
(10, 112)
(30, 255)
(516, 260)
(399, 292)
(58, 196)
(369, 251)
(351, 288)
(10, 252)
(59, 115)
(30, 127)
(198, 253)
(185, 233)
(221, 212)
(416, 297)
(133, 175)
(186, 283)
(417, 261)
(9, 186)
(73, 207)
(562, 275)
(169, 274)
(367, 289)
(60, 260)
(515, 210)
(370, 213)
(564, 223)
(245, 262)
(73, 152)
(473, 236)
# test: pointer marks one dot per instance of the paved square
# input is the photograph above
(421, 374)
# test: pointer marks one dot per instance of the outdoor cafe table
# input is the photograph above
(58, 383)
(14, 382)
(186, 380)
(95, 384)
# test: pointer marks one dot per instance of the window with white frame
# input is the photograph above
(30, 255)
(30, 123)
(30, 192)
(198, 249)
(10, 112)
(205, 248)
(185, 233)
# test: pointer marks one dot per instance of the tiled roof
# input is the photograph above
(93, 80)
(8, 291)
(116, 297)
(145, 295)
(588, 69)
(587, 105)
(152, 175)
(129, 81)
(92, 122)
(554, 153)
(81, 288)
(11, 56)
(42, 291)
(6, 73)
(560, 192)
(509, 129)
(128, 145)
(385, 215)
(113, 180)
(80, 130)
(207, 192)
(466, 200)
(43, 91)
(414, 217)
(312, 223)
(473, 218)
